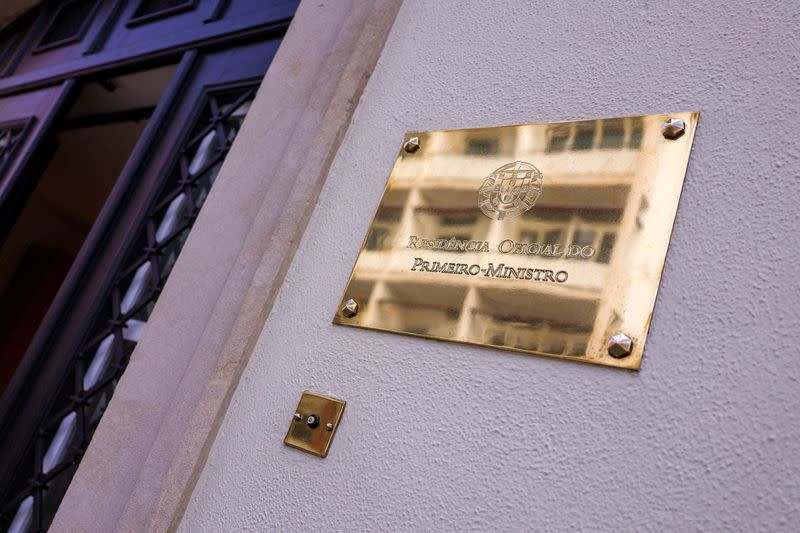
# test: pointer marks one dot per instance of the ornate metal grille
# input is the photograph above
(62, 439)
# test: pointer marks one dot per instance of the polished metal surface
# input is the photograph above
(305, 432)
(542, 238)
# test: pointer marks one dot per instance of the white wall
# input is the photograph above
(440, 436)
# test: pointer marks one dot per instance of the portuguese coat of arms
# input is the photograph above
(510, 190)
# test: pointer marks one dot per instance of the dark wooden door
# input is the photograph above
(68, 374)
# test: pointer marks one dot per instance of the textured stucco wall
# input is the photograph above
(440, 436)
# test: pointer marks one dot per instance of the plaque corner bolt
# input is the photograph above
(673, 128)
(412, 145)
(620, 345)
(350, 308)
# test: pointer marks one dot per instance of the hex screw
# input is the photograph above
(329, 426)
(673, 128)
(298, 417)
(620, 345)
(411, 145)
(350, 308)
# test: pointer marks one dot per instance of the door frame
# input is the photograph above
(249, 229)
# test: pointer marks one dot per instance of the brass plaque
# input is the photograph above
(314, 423)
(547, 239)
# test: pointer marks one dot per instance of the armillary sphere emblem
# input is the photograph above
(510, 190)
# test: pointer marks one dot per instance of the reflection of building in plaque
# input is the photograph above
(602, 221)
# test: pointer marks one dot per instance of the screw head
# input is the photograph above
(620, 345)
(411, 145)
(298, 417)
(350, 308)
(673, 128)
(329, 426)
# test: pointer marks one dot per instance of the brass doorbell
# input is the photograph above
(314, 423)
